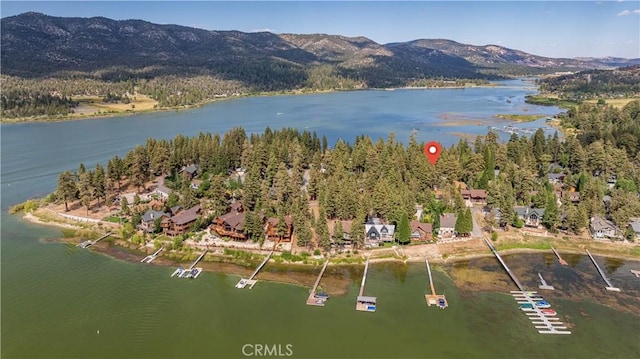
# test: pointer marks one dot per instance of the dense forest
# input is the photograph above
(588, 84)
(286, 169)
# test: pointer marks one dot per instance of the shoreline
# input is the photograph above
(97, 116)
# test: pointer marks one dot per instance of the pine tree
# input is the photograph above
(404, 230)
(67, 188)
(551, 217)
(86, 190)
(98, 181)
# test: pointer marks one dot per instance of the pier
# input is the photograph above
(192, 271)
(537, 310)
(363, 303)
(89, 243)
(433, 298)
(609, 286)
(636, 273)
(318, 299)
(251, 282)
(150, 258)
(560, 260)
(544, 284)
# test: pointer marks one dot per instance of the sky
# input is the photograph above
(546, 28)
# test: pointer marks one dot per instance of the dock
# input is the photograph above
(150, 258)
(243, 283)
(560, 260)
(541, 316)
(318, 299)
(192, 271)
(544, 284)
(89, 243)
(364, 303)
(433, 298)
(636, 273)
(609, 286)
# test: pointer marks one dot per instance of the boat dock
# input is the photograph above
(89, 243)
(538, 311)
(433, 298)
(636, 273)
(363, 303)
(192, 271)
(606, 280)
(318, 299)
(544, 284)
(251, 282)
(150, 258)
(560, 260)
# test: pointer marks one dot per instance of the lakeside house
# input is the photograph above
(532, 217)
(634, 224)
(182, 222)
(601, 228)
(376, 231)
(189, 172)
(271, 229)
(447, 225)
(147, 223)
(556, 178)
(346, 229)
(421, 231)
(231, 224)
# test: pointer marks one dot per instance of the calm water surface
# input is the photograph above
(62, 302)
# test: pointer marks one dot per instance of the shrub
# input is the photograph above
(316, 252)
(494, 236)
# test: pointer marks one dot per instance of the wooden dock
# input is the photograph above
(560, 260)
(192, 271)
(545, 323)
(544, 284)
(364, 303)
(150, 258)
(89, 243)
(636, 273)
(433, 298)
(243, 283)
(313, 298)
(609, 286)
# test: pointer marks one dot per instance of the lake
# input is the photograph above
(59, 301)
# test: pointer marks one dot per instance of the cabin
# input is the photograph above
(447, 225)
(231, 224)
(161, 191)
(474, 195)
(195, 184)
(147, 224)
(634, 224)
(601, 228)
(421, 231)
(532, 217)
(189, 172)
(346, 230)
(181, 223)
(376, 231)
(271, 229)
(556, 178)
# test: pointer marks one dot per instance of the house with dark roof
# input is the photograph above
(447, 225)
(189, 172)
(532, 217)
(376, 231)
(271, 229)
(474, 195)
(601, 228)
(634, 224)
(231, 224)
(556, 178)
(182, 222)
(421, 231)
(147, 223)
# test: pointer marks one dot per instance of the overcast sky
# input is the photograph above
(547, 28)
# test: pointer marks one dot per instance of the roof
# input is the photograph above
(635, 226)
(448, 220)
(379, 227)
(346, 227)
(426, 227)
(234, 220)
(236, 206)
(374, 220)
(273, 221)
(190, 168)
(474, 193)
(164, 189)
(460, 185)
(186, 216)
(601, 224)
(152, 215)
(527, 212)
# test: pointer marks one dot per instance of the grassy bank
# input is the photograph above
(549, 100)
(520, 117)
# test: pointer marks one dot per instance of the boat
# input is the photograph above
(524, 306)
(321, 295)
(177, 272)
(442, 303)
(548, 312)
(241, 284)
(543, 304)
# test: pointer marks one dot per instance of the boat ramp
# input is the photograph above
(560, 260)
(318, 299)
(433, 298)
(538, 311)
(89, 243)
(364, 303)
(243, 283)
(190, 272)
(609, 286)
(150, 258)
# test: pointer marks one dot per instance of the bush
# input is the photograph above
(494, 236)
(519, 223)
(316, 252)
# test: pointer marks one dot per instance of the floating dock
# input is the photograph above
(560, 260)
(243, 283)
(89, 243)
(544, 284)
(364, 303)
(609, 286)
(543, 319)
(318, 299)
(636, 273)
(192, 271)
(150, 258)
(433, 298)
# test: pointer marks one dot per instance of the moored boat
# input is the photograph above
(548, 312)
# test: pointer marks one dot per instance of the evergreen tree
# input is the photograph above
(98, 181)
(86, 190)
(124, 206)
(404, 230)
(551, 217)
(67, 188)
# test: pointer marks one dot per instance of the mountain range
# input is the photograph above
(36, 45)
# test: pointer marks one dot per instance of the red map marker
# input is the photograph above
(432, 150)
